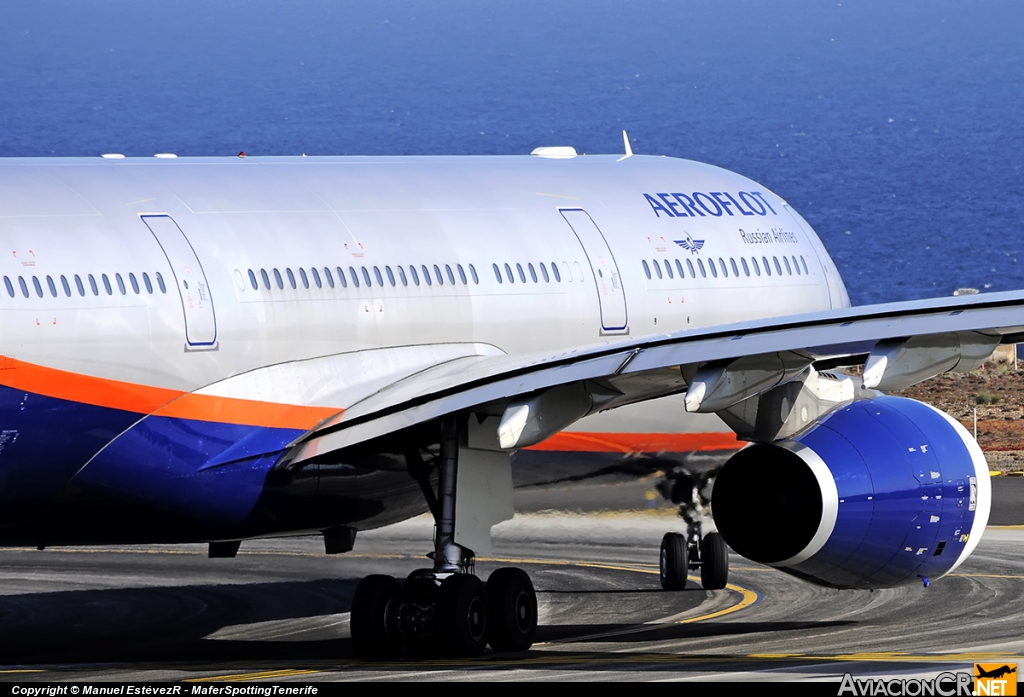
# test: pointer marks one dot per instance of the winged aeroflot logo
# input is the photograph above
(689, 243)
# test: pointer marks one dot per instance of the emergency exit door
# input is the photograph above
(196, 302)
(603, 269)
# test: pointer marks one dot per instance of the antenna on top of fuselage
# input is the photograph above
(629, 148)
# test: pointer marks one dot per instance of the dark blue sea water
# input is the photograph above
(896, 128)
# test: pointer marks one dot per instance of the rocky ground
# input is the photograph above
(997, 392)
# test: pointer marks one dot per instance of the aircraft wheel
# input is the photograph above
(373, 620)
(461, 617)
(674, 562)
(513, 606)
(714, 570)
(420, 596)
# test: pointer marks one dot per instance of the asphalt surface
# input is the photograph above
(279, 611)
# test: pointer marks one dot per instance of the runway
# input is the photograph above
(279, 612)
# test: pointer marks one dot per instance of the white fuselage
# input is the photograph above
(62, 219)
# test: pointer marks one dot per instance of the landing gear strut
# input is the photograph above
(446, 609)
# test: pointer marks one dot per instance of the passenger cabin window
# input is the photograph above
(437, 275)
(159, 282)
(746, 269)
(9, 285)
(472, 272)
(51, 285)
(401, 276)
(426, 274)
(508, 274)
(316, 278)
(544, 272)
(657, 268)
(415, 276)
(647, 268)
(80, 286)
(39, 286)
(558, 276)
(303, 277)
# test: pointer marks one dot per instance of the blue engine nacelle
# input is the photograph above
(880, 493)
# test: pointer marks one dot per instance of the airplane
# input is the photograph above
(218, 349)
(995, 673)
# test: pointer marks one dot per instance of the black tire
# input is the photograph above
(513, 605)
(420, 591)
(674, 562)
(461, 619)
(714, 557)
(374, 634)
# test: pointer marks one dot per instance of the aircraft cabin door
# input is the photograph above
(603, 268)
(196, 302)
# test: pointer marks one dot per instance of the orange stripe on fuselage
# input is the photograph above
(569, 441)
(143, 399)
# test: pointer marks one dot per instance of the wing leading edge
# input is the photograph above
(901, 343)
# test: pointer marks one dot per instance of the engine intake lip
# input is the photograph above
(775, 504)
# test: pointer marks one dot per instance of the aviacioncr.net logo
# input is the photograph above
(942, 685)
(995, 679)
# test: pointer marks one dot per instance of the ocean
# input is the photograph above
(896, 128)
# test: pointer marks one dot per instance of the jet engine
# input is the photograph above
(879, 493)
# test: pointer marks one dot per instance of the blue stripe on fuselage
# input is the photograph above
(196, 469)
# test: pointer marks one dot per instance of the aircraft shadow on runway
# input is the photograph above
(172, 623)
(165, 623)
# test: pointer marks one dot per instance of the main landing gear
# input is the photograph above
(445, 610)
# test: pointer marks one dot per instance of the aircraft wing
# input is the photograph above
(531, 397)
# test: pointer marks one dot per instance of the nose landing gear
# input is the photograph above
(708, 554)
(695, 550)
